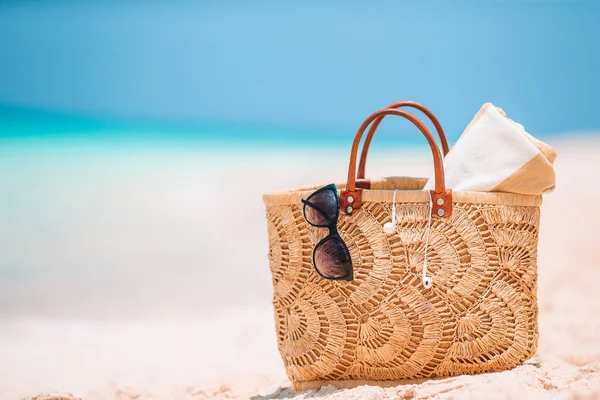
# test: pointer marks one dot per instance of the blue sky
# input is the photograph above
(304, 64)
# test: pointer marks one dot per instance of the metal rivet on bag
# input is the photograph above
(349, 210)
(350, 199)
(440, 201)
(441, 212)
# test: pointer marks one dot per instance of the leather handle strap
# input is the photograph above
(351, 197)
(375, 125)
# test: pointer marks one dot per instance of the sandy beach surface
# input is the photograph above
(145, 276)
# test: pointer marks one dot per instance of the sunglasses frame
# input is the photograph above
(333, 232)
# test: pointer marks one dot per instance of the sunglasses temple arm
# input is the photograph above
(308, 203)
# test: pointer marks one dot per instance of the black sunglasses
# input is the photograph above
(331, 257)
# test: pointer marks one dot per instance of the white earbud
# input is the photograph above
(390, 227)
(427, 281)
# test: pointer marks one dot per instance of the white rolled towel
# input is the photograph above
(495, 154)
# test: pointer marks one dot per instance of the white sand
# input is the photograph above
(175, 302)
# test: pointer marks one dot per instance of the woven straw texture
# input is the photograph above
(479, 316)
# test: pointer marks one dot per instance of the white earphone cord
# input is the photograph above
(427, 282)
(394, 207)
(390, 227)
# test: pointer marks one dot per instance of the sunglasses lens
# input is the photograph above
(325, 208)
(332, 258)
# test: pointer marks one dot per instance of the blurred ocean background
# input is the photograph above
(123, 124)
(121, 120)
(137, 137)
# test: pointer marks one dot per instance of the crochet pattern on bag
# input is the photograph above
(479, 316)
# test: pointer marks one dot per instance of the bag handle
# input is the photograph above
(375, 125)
(351, 197)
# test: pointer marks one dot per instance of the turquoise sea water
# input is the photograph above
(22, 128)
(37, 129)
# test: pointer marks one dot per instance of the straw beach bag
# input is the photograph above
(384, 326)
